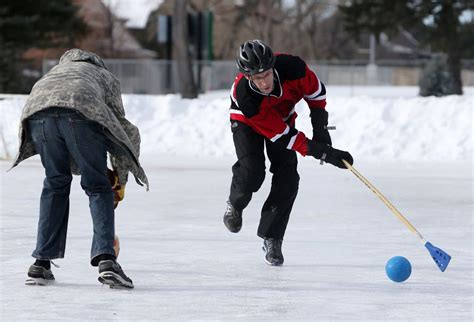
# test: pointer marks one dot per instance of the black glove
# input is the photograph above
(328, 154)
(319, 121)
(322, 136)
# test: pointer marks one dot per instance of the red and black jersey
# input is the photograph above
(273, 115)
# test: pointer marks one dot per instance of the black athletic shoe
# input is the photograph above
(38, 275)
(233, 218)
(272, 249)
(110, 273)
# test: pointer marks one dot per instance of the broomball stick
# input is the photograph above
(440, 257)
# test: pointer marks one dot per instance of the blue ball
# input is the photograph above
(398, 269)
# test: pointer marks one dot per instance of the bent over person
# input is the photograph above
(72, 118)
(262, 113)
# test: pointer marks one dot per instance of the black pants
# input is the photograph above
(249, 173)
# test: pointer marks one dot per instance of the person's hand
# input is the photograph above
(329, 154)
(117, 188)
(335, 157)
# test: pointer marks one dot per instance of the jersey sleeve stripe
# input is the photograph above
(234, 111)
(311, 96)
(232, 95)
(319, 98)
(319, 93)
(292, 141)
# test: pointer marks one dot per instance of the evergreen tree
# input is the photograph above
(33, 23)
(467, 39)
(437, 20)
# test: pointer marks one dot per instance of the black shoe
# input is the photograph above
(233, 218)
(272, 249)
(38, 275)
(110, 273)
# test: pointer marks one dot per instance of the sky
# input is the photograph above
(136, 11)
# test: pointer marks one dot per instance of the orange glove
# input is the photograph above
(118, 189)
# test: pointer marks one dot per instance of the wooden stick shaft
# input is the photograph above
(7, 155)
(384, 200)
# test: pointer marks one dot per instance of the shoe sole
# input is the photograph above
(114, 280)
(38, 281)
(235, 230)
(271, 263)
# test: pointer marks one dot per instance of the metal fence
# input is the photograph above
(141, 76)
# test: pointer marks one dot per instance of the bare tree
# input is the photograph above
(249, 19)
(110, 30)
(187, 86)
(262, 16)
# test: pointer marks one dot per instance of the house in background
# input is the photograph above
(108, 37)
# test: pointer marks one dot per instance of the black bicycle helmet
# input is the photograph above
(254, 57)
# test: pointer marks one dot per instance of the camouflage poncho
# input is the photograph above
(81, 82)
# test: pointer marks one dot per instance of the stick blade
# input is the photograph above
(440, 257)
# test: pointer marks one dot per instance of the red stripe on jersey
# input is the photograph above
(312, 89)
(239, 117)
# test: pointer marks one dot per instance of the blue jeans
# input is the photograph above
(61, 134)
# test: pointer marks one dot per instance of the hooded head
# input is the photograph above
(76, 54)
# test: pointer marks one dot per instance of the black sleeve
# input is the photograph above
(319, 121)
(319, 118)
(248, 102)
(290, 67)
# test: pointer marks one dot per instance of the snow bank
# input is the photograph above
(372, 123)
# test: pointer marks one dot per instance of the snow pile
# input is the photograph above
(382, 124)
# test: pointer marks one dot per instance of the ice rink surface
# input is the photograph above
(187, 266)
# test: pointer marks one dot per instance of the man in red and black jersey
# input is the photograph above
(262, 113)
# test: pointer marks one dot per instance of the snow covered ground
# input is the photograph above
(187, 266)
(374, 123)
